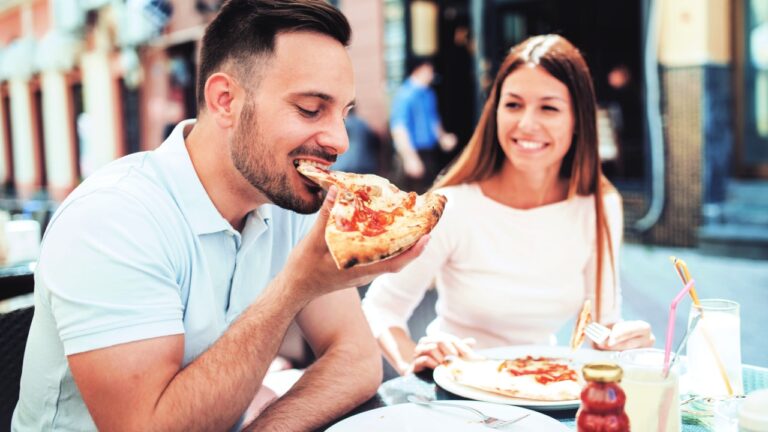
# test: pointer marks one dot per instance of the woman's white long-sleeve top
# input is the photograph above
(503, 276)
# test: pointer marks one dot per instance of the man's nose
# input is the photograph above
(335, 137)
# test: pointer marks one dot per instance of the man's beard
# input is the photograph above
(253, 160)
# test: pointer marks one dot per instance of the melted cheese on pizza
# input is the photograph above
(356, 210)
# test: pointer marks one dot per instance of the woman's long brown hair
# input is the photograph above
(483, 156)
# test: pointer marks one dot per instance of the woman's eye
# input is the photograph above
(512, 105)
(550, 108)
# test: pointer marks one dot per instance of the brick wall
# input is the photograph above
(682, 116)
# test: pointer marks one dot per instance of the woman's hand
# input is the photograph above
(627, 335)
(431, 351)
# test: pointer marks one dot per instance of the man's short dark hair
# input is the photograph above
(244, 29)
(419, 61)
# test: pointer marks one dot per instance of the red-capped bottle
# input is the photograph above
(602, 400)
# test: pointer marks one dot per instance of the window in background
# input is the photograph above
(76, 112)
(130, 117)
(5, 99)
(756, 88)
(394, 44)
(38, 134)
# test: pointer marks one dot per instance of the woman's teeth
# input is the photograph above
(530, 145)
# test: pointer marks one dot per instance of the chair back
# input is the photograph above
(14, 329)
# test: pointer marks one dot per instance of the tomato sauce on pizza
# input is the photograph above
(543, 369)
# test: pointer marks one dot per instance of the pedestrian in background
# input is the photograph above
(416, 128)
(531, 229)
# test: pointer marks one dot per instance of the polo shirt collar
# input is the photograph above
(188, 191)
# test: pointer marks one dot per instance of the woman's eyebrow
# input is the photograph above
(545, 98)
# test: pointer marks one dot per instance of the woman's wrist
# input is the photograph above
(403, 367)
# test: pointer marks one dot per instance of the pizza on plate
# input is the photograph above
(372, 219)
(584, 318)
(533, 378)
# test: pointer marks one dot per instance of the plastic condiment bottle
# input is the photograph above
(602, 400)
(753, 414)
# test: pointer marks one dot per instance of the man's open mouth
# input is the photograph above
(323, 165)
(307, 167)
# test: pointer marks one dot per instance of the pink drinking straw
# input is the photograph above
(671, 323)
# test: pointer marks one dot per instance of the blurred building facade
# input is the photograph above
(682, 85)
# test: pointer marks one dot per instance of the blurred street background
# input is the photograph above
(682, 87)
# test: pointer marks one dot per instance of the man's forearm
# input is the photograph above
(341, 379)
(213, 391)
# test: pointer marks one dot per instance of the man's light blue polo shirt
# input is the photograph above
(139, 251)
(415, 108)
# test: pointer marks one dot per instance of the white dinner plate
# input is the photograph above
(409, 417)
(443, 378)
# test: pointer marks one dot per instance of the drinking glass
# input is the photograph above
(714, 348)
(653, 400)
(726, 415)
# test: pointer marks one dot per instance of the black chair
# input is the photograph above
(14, 329)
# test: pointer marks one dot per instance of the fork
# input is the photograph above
(491, 422)
(597, 332)
(688, 332)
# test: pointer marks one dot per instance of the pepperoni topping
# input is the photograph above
(371, 222)
(544, 369)
(363, 194)
(410, 201)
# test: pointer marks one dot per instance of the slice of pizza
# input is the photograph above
(372, 219)
(534, 378)
(584, 318)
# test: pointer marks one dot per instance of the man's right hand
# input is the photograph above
(311, 271)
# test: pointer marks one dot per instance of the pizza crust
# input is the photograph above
(579, 330)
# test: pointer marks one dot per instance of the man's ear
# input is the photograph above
(223, 99)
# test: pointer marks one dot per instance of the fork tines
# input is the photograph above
(598, 333)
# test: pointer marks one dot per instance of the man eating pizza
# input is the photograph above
(167, 280)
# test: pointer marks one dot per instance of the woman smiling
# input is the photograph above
(531, 230)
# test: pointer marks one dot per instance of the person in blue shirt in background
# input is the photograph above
(416, 128)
